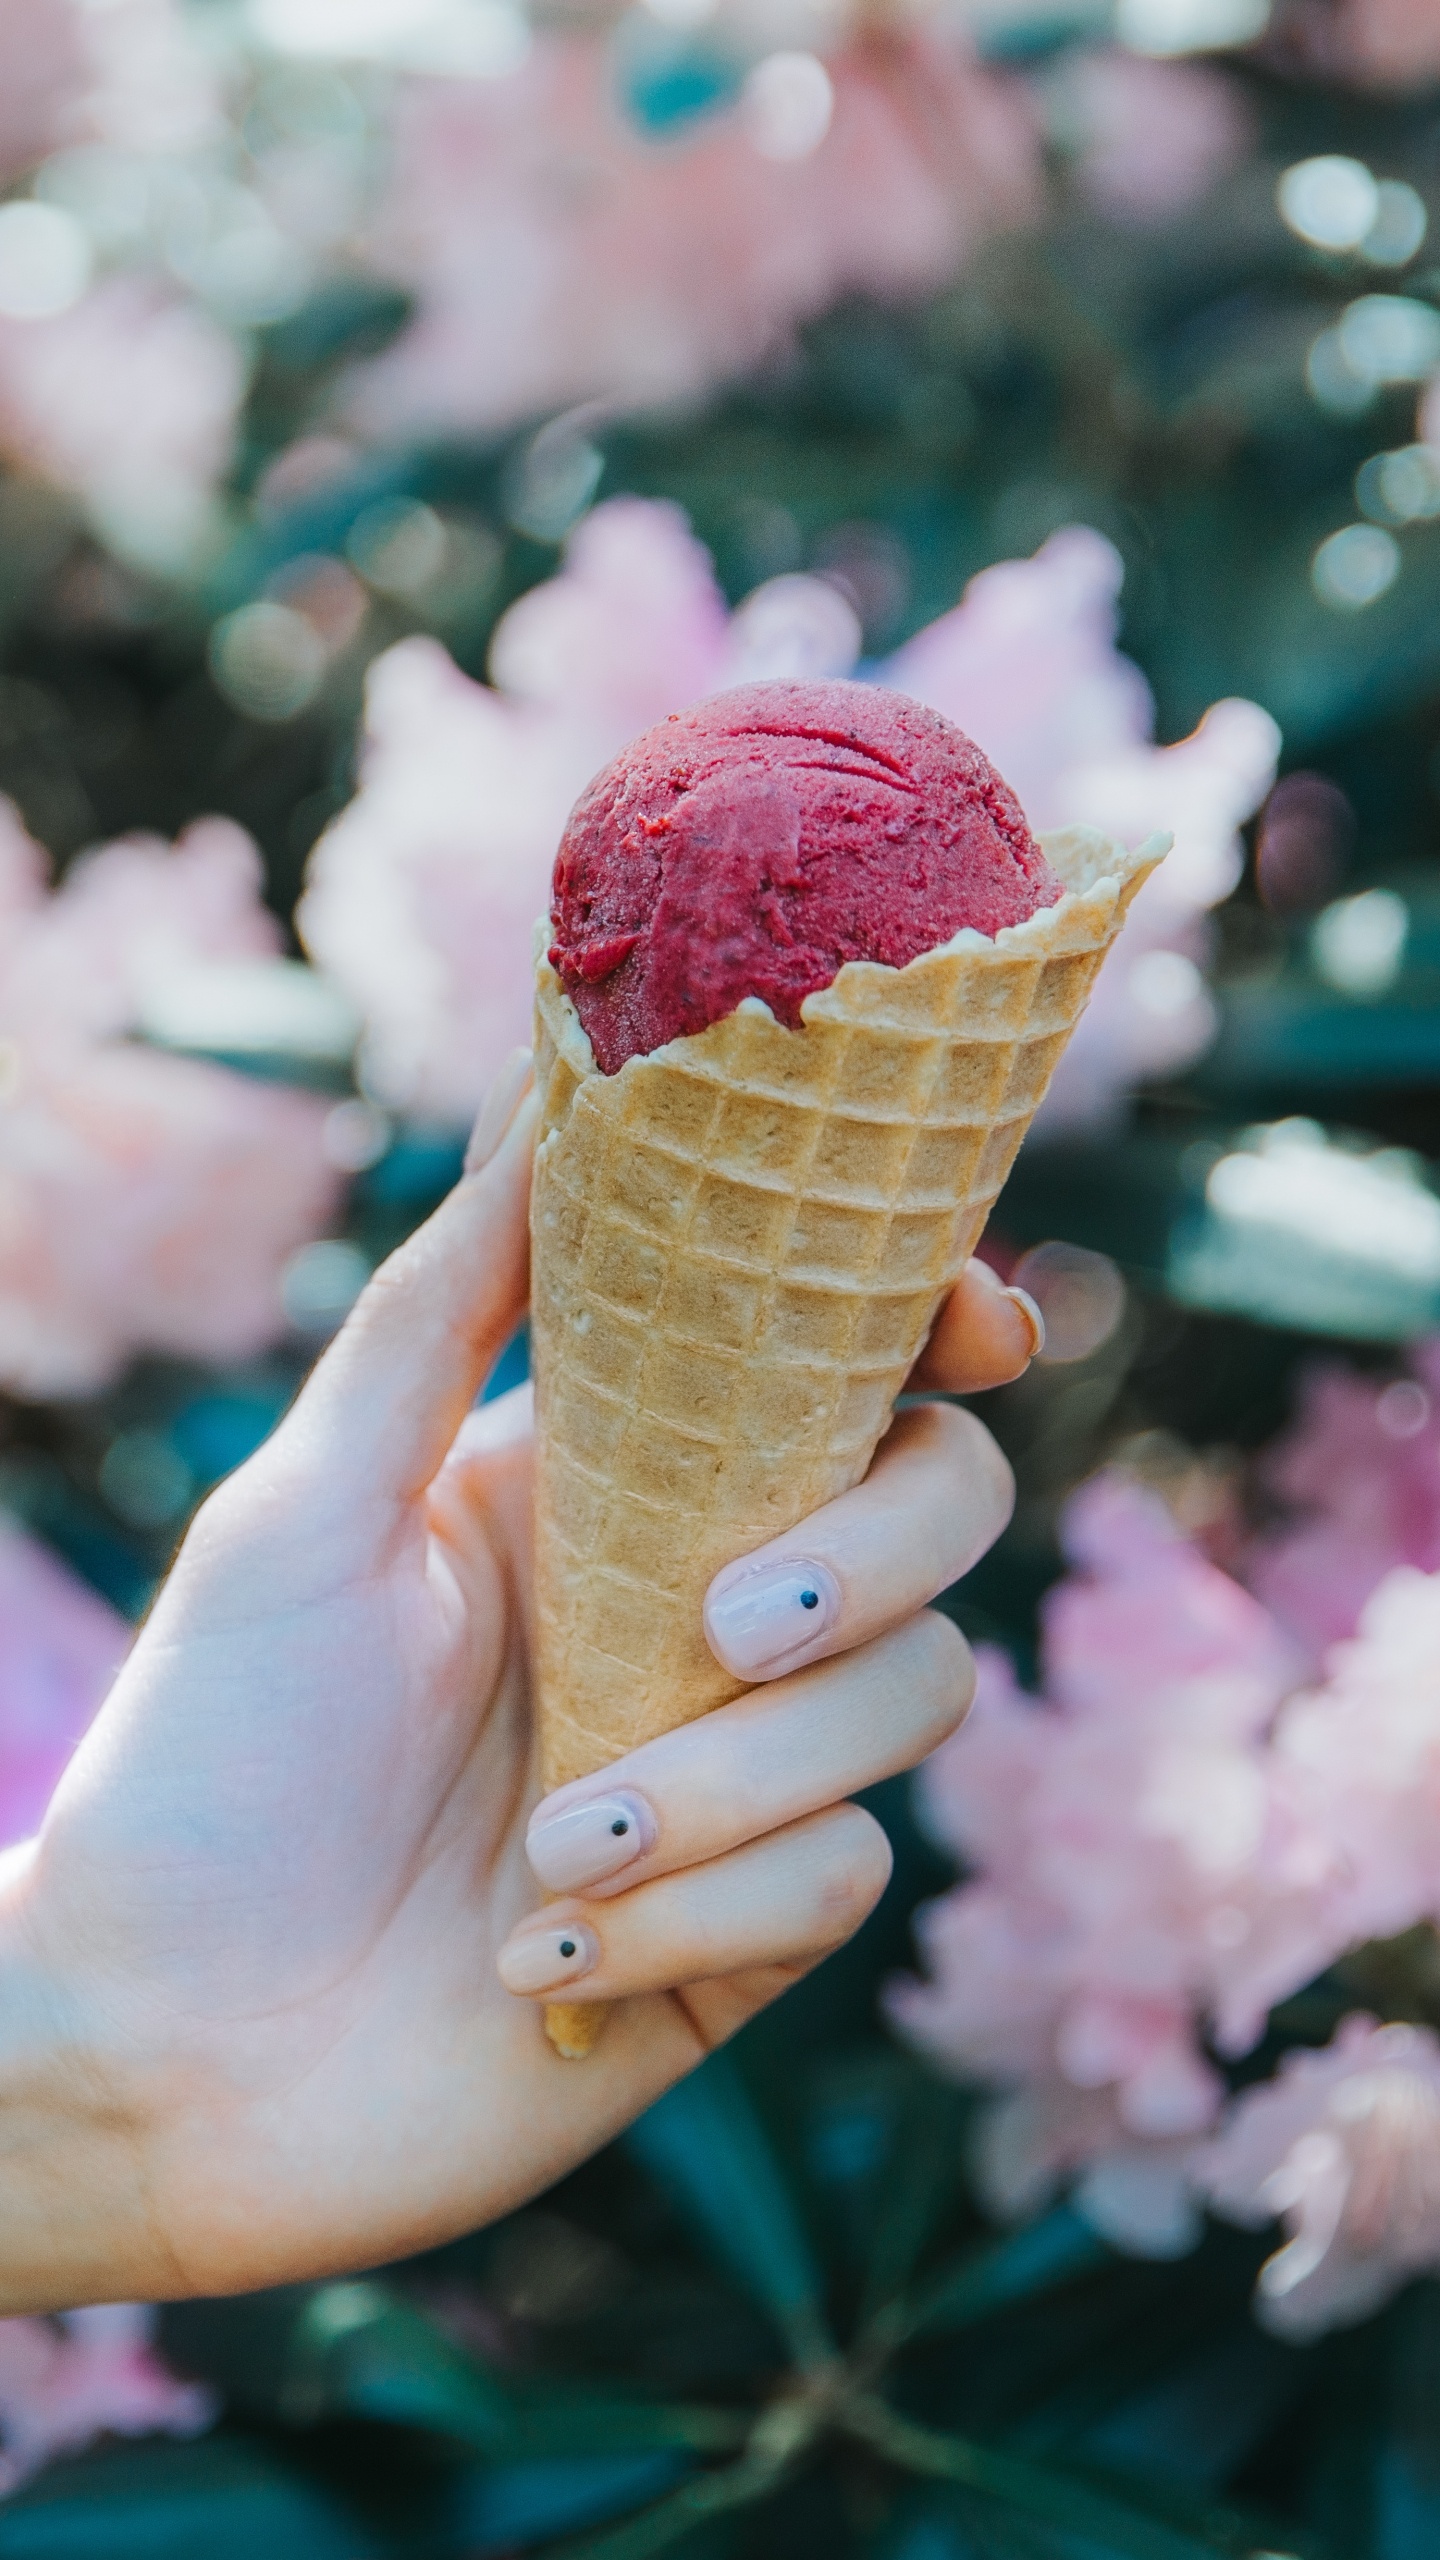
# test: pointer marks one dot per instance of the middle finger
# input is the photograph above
(772, 1758)
(937, 1496)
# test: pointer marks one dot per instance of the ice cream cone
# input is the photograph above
(739, 1245)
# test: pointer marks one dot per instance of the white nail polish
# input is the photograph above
(545, 1959)
(587, 1842)
(767, 1615)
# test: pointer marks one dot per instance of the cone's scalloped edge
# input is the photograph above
(1099, 874)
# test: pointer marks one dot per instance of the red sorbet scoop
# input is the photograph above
(752, 846)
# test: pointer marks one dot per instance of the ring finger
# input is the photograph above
(784, 1900)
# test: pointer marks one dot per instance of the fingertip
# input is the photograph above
(985, 1335)
(496, 1113)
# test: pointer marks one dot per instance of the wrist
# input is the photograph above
(75, 2218)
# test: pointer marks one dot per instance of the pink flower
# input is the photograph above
(129, 400)
(1027, 664)
(60, 1648)
(1366, 1748)
(1377, 44)
(42, 49)
(1358, 1472)
(1343, 2146)
(89, 2373)
(1151, 137)
(422, 896)
(146, 1202)
(1143, 1865)
(560, 255)
(1172, 1841)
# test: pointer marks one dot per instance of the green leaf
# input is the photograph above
(705, 2145)
(222, 2496)
(1047, 2496)
(564, 2418)
(924, 2168)
(1054, 2251)
(665, 2526)
(358, 2350)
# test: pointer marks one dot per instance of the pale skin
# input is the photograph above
(254, 2015)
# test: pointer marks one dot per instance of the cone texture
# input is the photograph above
(739, 1244)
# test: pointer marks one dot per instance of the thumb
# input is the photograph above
(385, 1401)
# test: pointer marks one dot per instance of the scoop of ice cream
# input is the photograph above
(752, 846)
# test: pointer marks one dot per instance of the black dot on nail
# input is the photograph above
(620, 1828)
(567, 1946)
(809, 1599)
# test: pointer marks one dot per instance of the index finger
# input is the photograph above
(984, 1335)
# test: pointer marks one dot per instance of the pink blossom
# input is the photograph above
(1343, 2146)
(1150, 137)
(1027, 664)
(1377, 44)
(1143, 1866)
(1366, 1748)
(89, 2373)
(1358, 1473)
(146, 1202)
(422, 895)
(129, 401)
(41, 45)
(60, 1648)
(560, 254)
(1174, 1838)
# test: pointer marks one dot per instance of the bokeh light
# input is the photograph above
(45, 261)
(321, 1283)
(1354, 567)
(398, 546)
(787, 103)
(1331, 201)
(1401, 487)
(1080, 1294)
(1358, 944)
(267, 659)
(1303, 844)
(1164, 27)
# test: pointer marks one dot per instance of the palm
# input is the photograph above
(322, 1934)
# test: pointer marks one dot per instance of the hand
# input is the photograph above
(258, 1978)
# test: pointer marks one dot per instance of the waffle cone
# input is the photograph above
(739, 1245)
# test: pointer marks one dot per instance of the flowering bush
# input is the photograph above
(560, 253)
(1176, 1838)
(147, 1202)
(129, 401)
(1357, 1477)
(423, 894)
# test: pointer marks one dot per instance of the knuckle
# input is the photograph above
(854, 1875)
(943, 1676)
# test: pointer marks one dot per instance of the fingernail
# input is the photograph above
(588, 1842)
(546, 1957)
(498, 1109)
(1022, 1299)
(758, 1622)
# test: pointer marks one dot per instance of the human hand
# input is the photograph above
(258, 1978)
